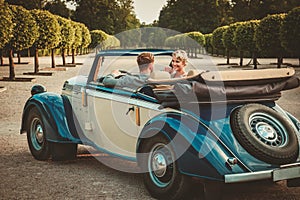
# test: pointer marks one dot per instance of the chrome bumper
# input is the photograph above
(285, 172)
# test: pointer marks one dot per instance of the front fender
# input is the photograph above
(56, 115)
(198, 150)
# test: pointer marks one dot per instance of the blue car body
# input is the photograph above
(203, 141)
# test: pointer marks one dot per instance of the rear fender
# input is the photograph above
(55, 117)
(198, 150)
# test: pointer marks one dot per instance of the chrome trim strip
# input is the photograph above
(248, 176)
(285, 172)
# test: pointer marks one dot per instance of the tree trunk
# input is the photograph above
(53, 58)
(63, 55)
(241, 58)
(254, 56)
(12, 74)
(1, 58)
(73, 56)
(19, 57)
(279, 61)
(228, 57)
(36, 61)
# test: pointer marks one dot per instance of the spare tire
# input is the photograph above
(265, 134)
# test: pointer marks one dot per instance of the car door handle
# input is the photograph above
(130, 109)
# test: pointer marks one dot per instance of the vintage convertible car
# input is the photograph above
(216, 126)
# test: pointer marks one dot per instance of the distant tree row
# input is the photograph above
(39, 29)
(113, 16)
(274, 35)
(206, 15)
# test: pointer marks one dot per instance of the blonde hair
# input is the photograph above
(180, 55)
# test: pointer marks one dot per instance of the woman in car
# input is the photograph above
(178, 64)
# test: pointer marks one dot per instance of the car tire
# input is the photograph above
(265, 134)
(63, 151)
(166, 182)
(36, 135)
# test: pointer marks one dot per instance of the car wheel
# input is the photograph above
(36, 136)
(63, 151)
(265, 134)
(162, 178)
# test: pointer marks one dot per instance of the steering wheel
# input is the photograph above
(125, 72)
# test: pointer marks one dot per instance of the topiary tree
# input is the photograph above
(217, 38)
(86, 38)
(290, 32)
(77, 40)
(267, 36)
(244, 39)
(98, 37)
(49, 30)
(208, 43)
(24, 35)
(7, 25)
(67, 36)
(228, 41)
(197, 42)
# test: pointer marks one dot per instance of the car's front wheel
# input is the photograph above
(162, 178)
(36, 136)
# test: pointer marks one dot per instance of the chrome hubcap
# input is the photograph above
(36, 134)
(159, 165)
(268, 130)
(39, 133)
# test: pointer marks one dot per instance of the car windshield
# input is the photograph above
(129, 64)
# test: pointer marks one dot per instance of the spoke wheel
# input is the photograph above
(265, 134)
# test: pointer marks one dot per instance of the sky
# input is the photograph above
(148, 10)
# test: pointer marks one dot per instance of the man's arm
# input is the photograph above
(110, 79)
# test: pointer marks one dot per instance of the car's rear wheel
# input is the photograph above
(36, 136)
(162, 178)
(265, 134)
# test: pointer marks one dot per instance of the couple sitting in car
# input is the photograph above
(145, 62)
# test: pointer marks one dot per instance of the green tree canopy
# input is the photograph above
(244, 36)
(194, 15)
(67, 33)
(290, 32)
(267, 36)
(86, 36)
(110, 16)
(25, 31)
(30, 5)
(6, 24)
(102, 40)
(228, 36)
(49, 29)
(217, 39)
(78, 35)
(243, 10)
(58, 7)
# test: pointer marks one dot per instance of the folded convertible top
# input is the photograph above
(229, 86)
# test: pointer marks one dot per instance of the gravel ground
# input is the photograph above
(23, 177)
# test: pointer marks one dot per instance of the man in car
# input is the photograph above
(145, 62)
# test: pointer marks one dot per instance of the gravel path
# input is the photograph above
(23, 177)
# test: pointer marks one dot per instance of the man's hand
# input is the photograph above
(116, 73)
